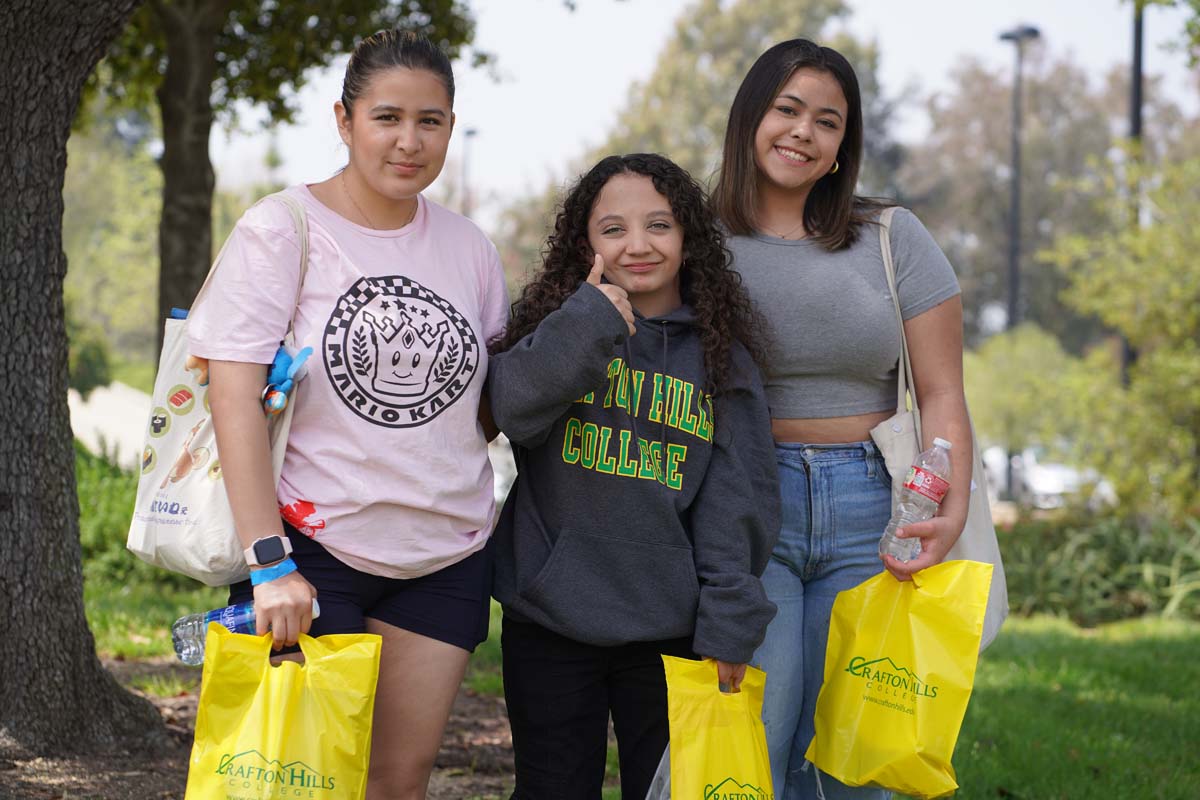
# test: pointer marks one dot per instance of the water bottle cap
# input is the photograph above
(942, 443)
(316, 608)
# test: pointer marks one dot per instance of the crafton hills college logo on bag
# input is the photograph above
(251, 770)
(889, 685)
(730, 789)
(397, 353)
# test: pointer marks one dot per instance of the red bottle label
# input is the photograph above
(926, 483)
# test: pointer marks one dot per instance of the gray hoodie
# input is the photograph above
(606, 542)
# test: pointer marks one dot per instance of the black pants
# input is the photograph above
(560, 693)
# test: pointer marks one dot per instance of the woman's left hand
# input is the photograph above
(937, 536)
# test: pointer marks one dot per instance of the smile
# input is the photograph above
(640, 267)
(794, 156)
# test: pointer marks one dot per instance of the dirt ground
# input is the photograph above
(475, 760)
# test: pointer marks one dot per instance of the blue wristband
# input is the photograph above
(285, 567)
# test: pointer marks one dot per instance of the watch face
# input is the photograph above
(268, 551)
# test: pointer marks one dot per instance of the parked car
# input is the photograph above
(1041, 482)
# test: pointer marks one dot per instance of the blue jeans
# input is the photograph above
(836, 502)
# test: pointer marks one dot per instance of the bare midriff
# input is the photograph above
(831, 430)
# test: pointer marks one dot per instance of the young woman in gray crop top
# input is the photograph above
(808, 251)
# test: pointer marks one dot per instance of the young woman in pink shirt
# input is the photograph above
(386, 499)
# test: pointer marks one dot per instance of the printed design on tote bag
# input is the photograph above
(889, 684)
(149, 459)
(397, 353)
(170, 418)
(730, 789)
(188, 459)
(254, 771)
(160, 422)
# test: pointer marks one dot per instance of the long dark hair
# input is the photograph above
(393, 48)
(833, 213)
(714, 292)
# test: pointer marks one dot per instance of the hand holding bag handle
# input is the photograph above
(899, 440)
(286, 730)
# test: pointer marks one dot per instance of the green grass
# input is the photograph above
(612, 775)
(484, 669)
(167, 685)
(1059, 712)
(134, 620)
(138, 374)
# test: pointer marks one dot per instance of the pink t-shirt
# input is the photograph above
(386, 463)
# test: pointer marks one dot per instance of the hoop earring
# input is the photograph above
(836, 167)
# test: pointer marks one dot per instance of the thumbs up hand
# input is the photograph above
(616, 295)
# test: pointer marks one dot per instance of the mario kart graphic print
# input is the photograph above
(397, 353)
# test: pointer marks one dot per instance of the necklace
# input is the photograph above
(412, 215)
(786, 234)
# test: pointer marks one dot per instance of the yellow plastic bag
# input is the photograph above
(718, 745)
(899, 668)
(291, 731)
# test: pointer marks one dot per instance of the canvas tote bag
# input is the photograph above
(181, 520)
(899, 440)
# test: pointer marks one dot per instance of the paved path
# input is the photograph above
(112, 421)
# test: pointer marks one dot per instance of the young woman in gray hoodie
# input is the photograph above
(646, 502)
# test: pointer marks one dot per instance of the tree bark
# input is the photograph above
(185, 100)
(55, 697)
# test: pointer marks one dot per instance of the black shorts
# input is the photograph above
(450, 605)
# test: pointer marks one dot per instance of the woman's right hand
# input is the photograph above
(284, 606)
(615, 294)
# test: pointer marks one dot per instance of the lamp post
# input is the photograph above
(1128, 353)
(1018, 36)
(465, 187)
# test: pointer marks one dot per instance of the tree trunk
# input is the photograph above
(55, 697)
(185, 99)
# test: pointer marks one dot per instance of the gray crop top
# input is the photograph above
(834, 344)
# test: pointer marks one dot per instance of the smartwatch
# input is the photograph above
(267, 551)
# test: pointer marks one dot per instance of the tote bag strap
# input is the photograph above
(300, 221)
(904, 379)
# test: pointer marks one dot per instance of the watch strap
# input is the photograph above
(268, 574)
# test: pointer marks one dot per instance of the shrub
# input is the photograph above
(88, 363)
(106, 497)
(1094, 570)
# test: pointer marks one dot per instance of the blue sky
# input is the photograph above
(541, 113)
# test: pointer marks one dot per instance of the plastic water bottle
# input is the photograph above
(924, 488)
(188, 632)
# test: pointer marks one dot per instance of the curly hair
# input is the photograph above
(723, 310)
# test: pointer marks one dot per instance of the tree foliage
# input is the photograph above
(681, 109)
(1017, 389)
(200, 58)
(957, 179)
(89, 361)
(1193, 31)
(266, 49)
(111, 204)
(1138, 275)
(1191, 26)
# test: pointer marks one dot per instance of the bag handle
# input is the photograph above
(904, 378)
(300, 221)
